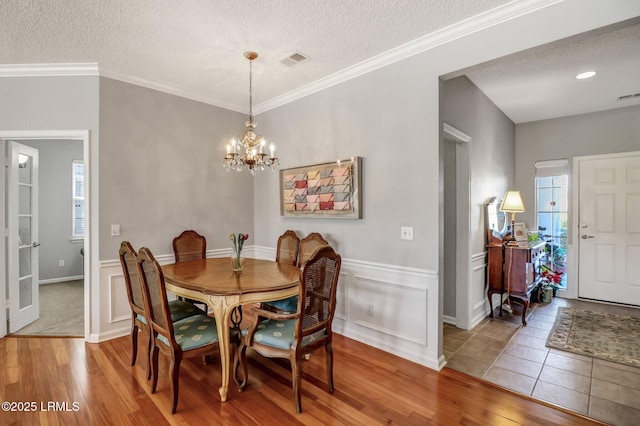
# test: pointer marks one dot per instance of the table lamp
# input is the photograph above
(513, 204)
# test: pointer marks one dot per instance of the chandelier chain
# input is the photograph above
(250, 90)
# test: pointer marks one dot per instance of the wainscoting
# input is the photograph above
(392, 308)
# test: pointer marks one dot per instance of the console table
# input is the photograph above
(515, 271)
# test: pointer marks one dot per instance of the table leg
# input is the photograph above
(222, 308)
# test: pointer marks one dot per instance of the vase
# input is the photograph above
(237, 263)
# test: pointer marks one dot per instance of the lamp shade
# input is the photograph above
(512, 202)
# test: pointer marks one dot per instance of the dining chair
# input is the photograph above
(190, 337)
(308, 245)
(179, 309)
(190, 245)
(287, 252)
(288, 247)
(292, 336)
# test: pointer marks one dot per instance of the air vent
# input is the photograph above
(295, 59)
(627, 97)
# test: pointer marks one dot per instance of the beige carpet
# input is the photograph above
(597, 334)
(61, 311)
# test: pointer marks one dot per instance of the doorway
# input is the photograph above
(457, 305)
(63, 255)
(608, 227)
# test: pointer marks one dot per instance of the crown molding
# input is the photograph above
(458, 30)
(437, 38)
(167, 88)
(48, 70)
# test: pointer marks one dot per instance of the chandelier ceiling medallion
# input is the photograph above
(249, 149)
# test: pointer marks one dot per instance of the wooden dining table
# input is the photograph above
(214, 282)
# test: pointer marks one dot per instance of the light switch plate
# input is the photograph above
(406, 233)
(115, 230)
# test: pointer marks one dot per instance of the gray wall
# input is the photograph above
(400, 163)
(49, 103)
(604, 132)
(55, 209)
(491, 153)
(161, 170)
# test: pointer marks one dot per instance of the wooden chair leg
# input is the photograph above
(154, 369)
(296, 377)
(134, 344)
(329, 359)
(149, 350)
(175, 382)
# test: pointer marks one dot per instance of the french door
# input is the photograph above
(22, 250)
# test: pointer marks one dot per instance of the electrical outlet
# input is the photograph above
(61, 262)
(370, 309)
(406, 233)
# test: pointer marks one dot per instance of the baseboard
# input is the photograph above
(61, 279)
(449, 319)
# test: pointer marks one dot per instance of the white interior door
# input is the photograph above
(22, 209)
(609, 228)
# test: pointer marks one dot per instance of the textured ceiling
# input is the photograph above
(195, 47)
(541, 84)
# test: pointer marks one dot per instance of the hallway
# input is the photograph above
(503, 352)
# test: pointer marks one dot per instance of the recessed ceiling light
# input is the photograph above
(584, 75)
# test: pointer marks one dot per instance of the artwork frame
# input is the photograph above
(520, 232)
(329, 190)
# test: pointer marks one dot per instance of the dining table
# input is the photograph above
(214, 282)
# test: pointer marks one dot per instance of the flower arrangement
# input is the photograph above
(550, 278)
(238, 242)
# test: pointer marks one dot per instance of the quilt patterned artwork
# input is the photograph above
(322, 190)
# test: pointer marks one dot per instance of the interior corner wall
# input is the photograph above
(492, 154)
(161, 170)
(605, 132)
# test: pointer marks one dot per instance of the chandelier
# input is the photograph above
(250, 149)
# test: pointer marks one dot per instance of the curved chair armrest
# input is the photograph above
(258, 312)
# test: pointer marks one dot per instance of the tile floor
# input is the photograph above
(501, 351)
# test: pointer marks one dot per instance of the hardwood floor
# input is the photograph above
(94, 384)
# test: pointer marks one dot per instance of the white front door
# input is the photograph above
(22, 209)
(609, 228)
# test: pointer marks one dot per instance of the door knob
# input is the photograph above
(584, 237)
(36, 244)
